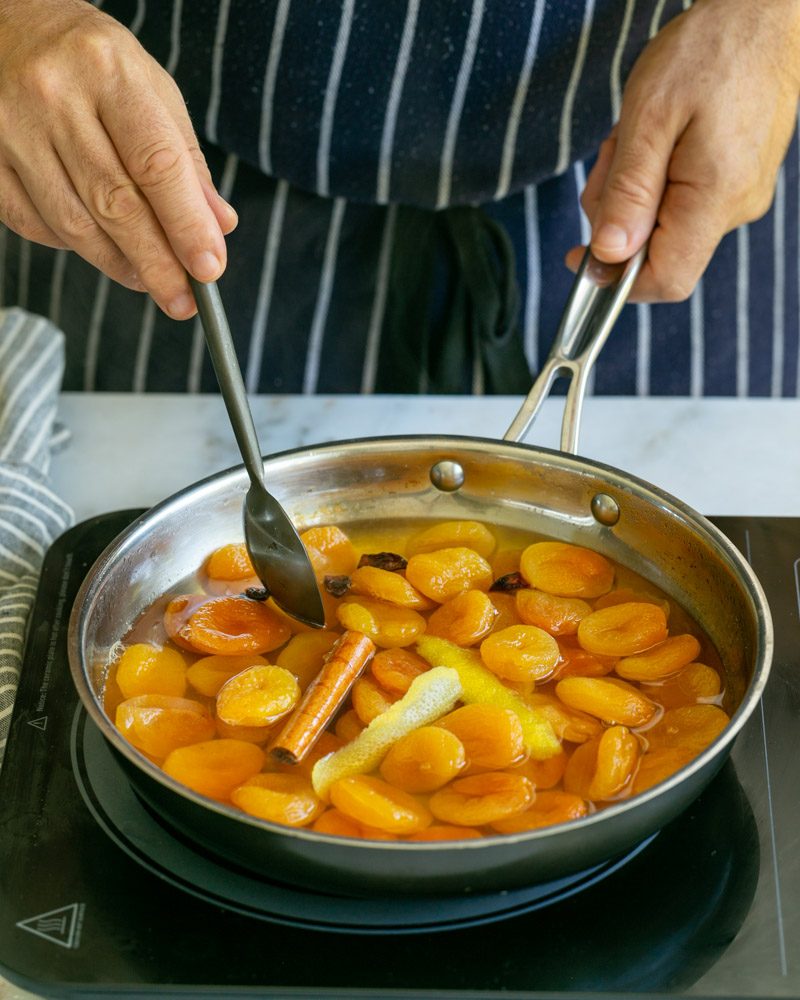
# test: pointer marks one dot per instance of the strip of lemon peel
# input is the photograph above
(430, 696)
(480, 685)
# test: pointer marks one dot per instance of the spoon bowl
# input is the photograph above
(279, 557)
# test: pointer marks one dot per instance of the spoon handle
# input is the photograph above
(229, 375)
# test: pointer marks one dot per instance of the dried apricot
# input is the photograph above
(258, 696)
(424, 760)
(375, 803)
(230, 562)
(492, 736)
(304, 654)
(576, 662)
(295, 626)
(250, 734)
(330, 550)
(549, 808)
(369, 699)
(566, 570)
(656, 766)
(454, 534)
(544, 773)
(580, 768)
(623, 629)
(625, 595)
(697, 682)
(177, 614)
(600, 769)
(556, 615)
(520, 653)
(395, 669)
(444, 573)
(288, 799)
(506, 607)
(147, 669)
(231, 625)
(568, 723)
(383, 585)
(157, 724)
(668, 657)
(691, 727)
(482, 798)
(348, 725)
(613, 701)
(506, 561)
(214, 767)
(336, 823)
(464, 619)
(209, 673)
(386, 624)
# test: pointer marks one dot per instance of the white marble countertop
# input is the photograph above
(721, 456)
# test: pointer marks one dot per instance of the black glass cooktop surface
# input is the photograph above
(98, 898)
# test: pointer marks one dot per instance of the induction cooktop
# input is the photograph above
(98, 898)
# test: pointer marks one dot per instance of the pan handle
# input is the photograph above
(596, 300)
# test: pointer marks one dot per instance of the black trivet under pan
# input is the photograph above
(98, 899)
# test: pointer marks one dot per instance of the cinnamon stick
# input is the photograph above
(342, 667)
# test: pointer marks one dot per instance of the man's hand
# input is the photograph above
(97, 152)
(707, 116)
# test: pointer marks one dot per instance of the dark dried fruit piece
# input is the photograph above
(510, 582)
(390, 561)
(337, 585)
(256, 593)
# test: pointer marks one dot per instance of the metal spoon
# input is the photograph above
(274, 547)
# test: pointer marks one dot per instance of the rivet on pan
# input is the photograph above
(605, 509)
(447, 476)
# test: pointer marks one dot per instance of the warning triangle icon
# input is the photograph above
(61, 926)
(40, 723)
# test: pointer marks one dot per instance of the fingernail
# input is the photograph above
(230, 211)
(206, 267)
(610, 237)
(181, 306)
(573, 258)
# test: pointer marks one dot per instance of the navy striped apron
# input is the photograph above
(407, 178)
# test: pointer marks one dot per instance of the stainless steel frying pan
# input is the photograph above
(555, 493)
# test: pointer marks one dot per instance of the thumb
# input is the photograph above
(628, 204)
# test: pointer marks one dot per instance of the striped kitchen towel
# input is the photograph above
(31, 515)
